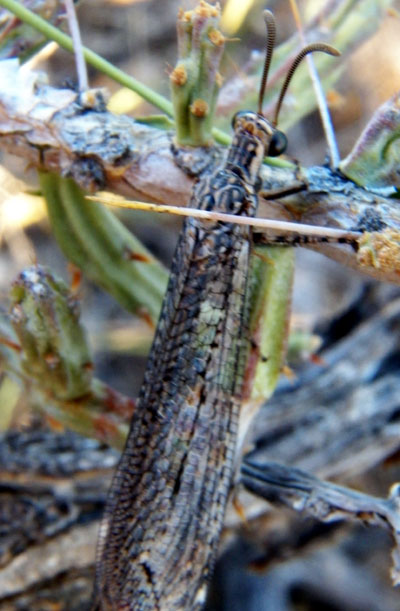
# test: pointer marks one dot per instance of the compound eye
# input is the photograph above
(278, 144)
(236, 116)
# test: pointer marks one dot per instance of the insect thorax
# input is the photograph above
(226, 190)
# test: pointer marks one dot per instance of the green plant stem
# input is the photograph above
(270, 302)
(93, 238)
(95, 60)
(98, 62)
(44, 351)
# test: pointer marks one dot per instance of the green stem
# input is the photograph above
(95, 60)
(45, 352)
(101, 64)
(272, 280)
(98, 62)
(93, 238)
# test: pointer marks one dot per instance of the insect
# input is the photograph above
(166, 506)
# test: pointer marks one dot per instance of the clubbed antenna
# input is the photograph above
(271, 31)
(318, 46)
